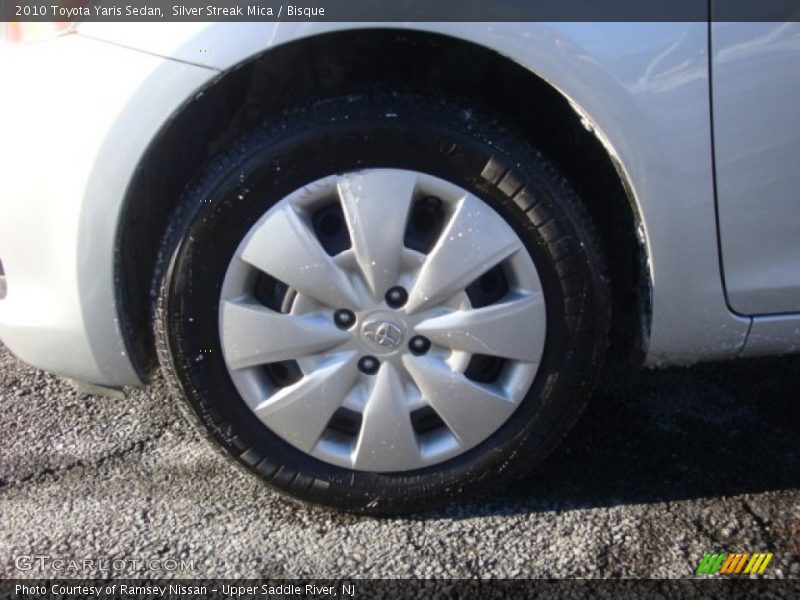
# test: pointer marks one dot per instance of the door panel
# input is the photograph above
(756, 101)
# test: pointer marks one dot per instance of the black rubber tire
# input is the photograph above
(448, 139)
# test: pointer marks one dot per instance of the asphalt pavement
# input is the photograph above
(664, 466)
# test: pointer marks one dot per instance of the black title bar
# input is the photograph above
(399, 10)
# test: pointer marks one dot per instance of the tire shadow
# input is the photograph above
(664, 435)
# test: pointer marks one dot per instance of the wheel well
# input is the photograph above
(377, 59)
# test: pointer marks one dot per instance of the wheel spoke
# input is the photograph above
(475, 240)
(511, 329)
(285, 246)
(255, 335)
(387, 441)
(301, 412)
(470, 410)
(376, 205)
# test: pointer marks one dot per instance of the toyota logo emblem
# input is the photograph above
(383, 333)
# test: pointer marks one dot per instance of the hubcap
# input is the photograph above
(382, 320)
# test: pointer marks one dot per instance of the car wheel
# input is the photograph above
(378, 303)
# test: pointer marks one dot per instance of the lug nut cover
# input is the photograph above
(344, 318)
(369, 365)
(396, 296)
(419, 344)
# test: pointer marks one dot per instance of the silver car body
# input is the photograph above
(723, 264)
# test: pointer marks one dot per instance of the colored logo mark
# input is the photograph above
(731, 564)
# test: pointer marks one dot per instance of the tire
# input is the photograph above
(380, 135)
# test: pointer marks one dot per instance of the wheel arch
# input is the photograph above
(334, 63)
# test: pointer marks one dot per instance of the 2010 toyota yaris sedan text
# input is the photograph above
(384, 266)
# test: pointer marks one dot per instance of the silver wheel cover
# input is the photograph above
(376, 204)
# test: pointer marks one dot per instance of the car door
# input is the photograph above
(756, 119)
